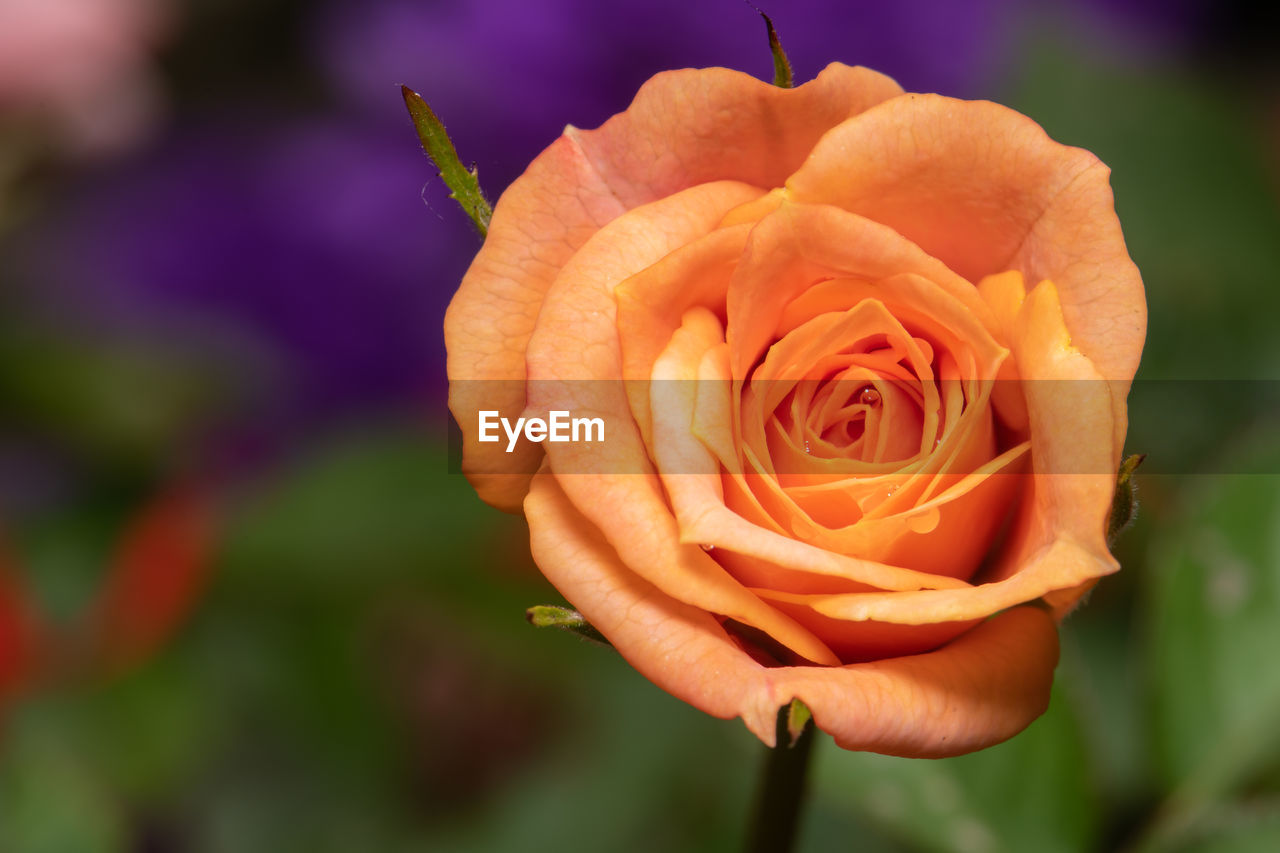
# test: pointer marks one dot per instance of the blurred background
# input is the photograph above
(245, 607)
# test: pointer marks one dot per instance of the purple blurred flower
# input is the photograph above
(296, 255)
(507, 76)
(299, 252)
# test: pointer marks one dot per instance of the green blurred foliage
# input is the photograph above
(333, 695)
(1000, 799)
(1195, 189)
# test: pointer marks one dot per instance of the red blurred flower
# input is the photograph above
(154, 578)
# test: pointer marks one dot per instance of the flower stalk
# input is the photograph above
(780, 796)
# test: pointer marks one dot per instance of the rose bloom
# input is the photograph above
(876, 349)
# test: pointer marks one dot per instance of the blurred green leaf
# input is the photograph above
(1250, 827)
(1214, 589)
(65, 555)
(1190, 170)
(1101, 673)
(375, 508)
(1030, 793)
(51, 798)
(638, 771)
(151, 730)
(114, 399)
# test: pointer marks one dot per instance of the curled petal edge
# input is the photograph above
(980, 689)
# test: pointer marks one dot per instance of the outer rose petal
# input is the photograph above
(539, 223)
(673, 134)
(978, 690)
(668, 140)
(985, 190)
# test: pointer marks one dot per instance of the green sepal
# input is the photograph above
(798, 719)
(462, 182)
(1124, 505)
(781, 65)
(566, 619)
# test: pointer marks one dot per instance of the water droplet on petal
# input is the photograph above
(707, 546)
(806, 446)
(869, 396)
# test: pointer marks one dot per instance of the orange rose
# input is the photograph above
(812, 485)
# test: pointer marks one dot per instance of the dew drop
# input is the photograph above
(706, 546)
(806, 447)
(869, 396)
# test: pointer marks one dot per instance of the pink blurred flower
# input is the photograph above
(81, 66)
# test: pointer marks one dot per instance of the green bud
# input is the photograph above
(1124, 506)
(566, 619)
(798, 719)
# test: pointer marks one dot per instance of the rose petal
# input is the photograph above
(668, 140)
(574, 365)
(939, 540)
(539, 223)
(673, 135)
(652, 303)
(1058, 541)
(984, 189)
(1070, 410)
(857, 642)
(690, 473)
(798, 246)
(1005, 293)
(978, 690)
(1060, 565)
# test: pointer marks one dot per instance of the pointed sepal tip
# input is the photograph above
(463, 184)
(566, 619)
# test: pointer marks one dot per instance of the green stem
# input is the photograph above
(781, 792)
